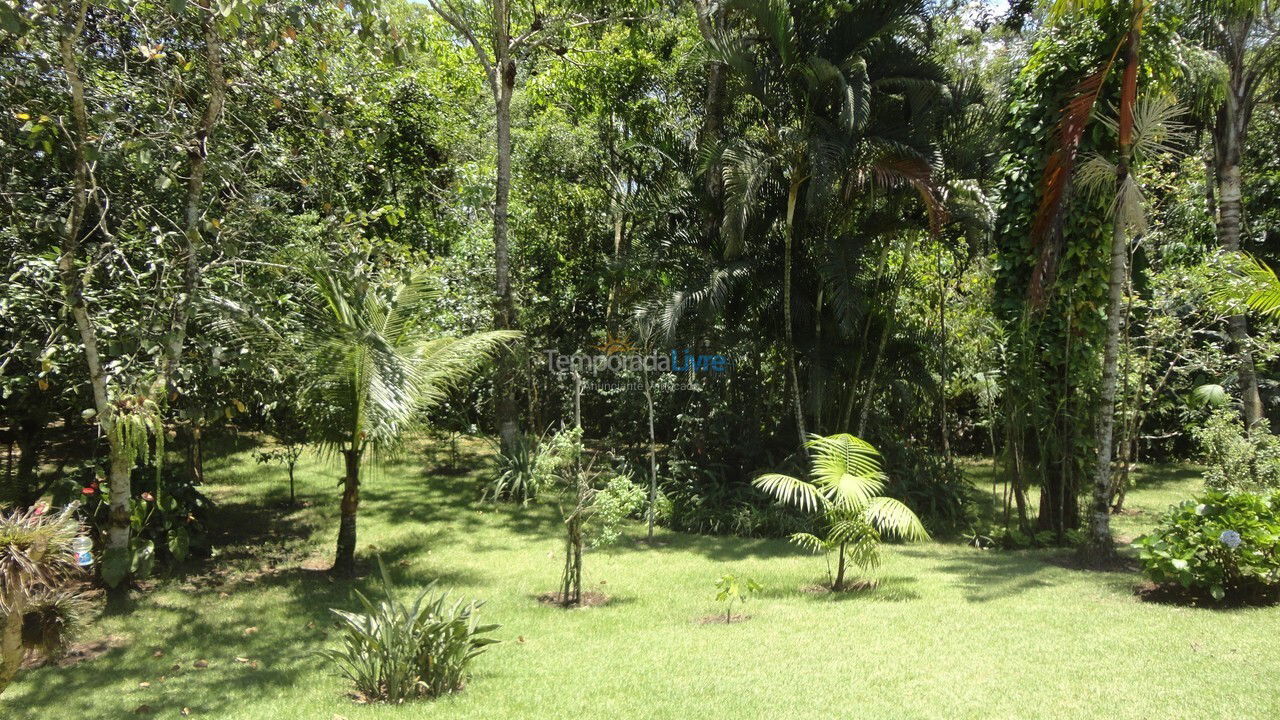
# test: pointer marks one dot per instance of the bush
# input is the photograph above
(39, 602)
(395, 652)
(1222, 544)
(1238, 460)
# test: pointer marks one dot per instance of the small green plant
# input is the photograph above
(731, 589)
(843, 493)
(286, 455)
(38, 609)
(1223, 544)
(517, 477)
(593, 503)
(393, 652)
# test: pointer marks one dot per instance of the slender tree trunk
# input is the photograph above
(11, 650)
(943, 433)
(838, 585)
(1100, 540)
(344, 564)
(193, 216)
(1228, 139)
(117, 540)
(503, 82)
(653, 453)
(797, 402)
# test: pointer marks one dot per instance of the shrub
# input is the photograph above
(37, 603)
(1223, 544)
(395, 652)
(515, 479)
(1236, 459)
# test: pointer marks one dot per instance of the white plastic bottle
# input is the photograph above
(82, 548)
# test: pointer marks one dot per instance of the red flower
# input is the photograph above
(148, 497)
(89, 490)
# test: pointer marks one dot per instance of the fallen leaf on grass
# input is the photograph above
(200, 664)
(250, 630)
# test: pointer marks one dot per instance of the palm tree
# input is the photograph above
(834, 95)
(1242, 35)
(372, 366)
(844, 491)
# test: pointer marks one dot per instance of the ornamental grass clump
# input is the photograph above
(1223, 545)
(40, 609)
(393, 652)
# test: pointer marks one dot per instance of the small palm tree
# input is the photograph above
(844, 490)
(372, 365)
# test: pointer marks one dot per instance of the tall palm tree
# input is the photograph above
(833, 91)
(1046, 228)
(844, 492)
(1242, 35)
(373, 364)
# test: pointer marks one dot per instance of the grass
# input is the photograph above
(949, 632)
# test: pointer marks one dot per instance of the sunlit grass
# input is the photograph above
(950, 631)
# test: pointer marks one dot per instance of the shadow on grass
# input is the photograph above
(990, 575)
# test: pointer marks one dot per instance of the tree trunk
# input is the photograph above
(838, 585)
(193, 217)
(11, 650)
(117, 541)
(653, 453)
(797, 402)
(1100, 541)
(344, 564)
(503, 82)
(944, 433)
(1228, 140)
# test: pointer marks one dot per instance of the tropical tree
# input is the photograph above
(1242, 35)
(374, 363)
(843, 492)
(837, 97)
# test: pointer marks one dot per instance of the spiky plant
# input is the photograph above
(395, 651)
(37, 611)
(844, 494)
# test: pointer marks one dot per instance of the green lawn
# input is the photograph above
(951, 632)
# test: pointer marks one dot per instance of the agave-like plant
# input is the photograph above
(844, 491)
(37, 611)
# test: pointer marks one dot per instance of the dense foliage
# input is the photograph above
(1224, 544)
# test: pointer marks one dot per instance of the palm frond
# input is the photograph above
(892, 517)
(790, 490)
